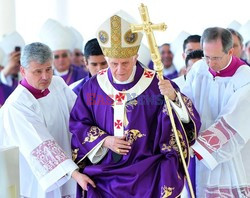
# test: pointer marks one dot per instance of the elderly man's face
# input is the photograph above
(38, 75)
(62, 60)
(121, 68)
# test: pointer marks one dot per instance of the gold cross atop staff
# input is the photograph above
(148, 28)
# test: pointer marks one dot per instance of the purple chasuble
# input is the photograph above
(35, 92)
(152, 167)
(230, 70)
(6, 90)
(75, 73)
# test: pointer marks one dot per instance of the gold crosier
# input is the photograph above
(148, 28)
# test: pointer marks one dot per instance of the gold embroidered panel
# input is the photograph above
(93, 134)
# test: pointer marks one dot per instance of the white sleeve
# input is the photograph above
(61, 181)
(225, 139)
(48, 162)
(181, 110)
(96, 154)
(207, 158)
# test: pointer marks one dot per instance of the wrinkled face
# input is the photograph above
(237, 47)
(95, 64)
(214, 55)
(191, 47)
(121, 68)
(166, 56)
(62, 60)
(38, 75)
(77, 57)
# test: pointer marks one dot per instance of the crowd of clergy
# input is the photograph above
(90, 120)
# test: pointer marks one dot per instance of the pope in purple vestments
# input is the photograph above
(122, 137)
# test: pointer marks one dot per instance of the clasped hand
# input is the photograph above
(117, 144)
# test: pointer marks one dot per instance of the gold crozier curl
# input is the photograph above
(116, 50)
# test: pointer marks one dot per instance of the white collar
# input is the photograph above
(130, 79)
(57, 73)
(169, 70)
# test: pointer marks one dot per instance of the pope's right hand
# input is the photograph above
(117, 144)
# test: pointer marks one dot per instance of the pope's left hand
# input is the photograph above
(167, 89)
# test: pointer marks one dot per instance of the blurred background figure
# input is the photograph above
(247, 52)
(177, 49)
(61, 42)
(77, 54)
(237, 43)
(190, 44)
(94, 61)
(11, 46)
(1, 59)
(167, 56)
(191, 58)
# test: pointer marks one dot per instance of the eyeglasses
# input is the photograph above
(64, 55)
(78, 54)
(215, 58)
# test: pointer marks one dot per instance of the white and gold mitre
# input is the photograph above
(115, 37)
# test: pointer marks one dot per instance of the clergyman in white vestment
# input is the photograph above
(35, 118)
(219, 87)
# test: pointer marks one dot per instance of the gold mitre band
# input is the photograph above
(117, 40)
